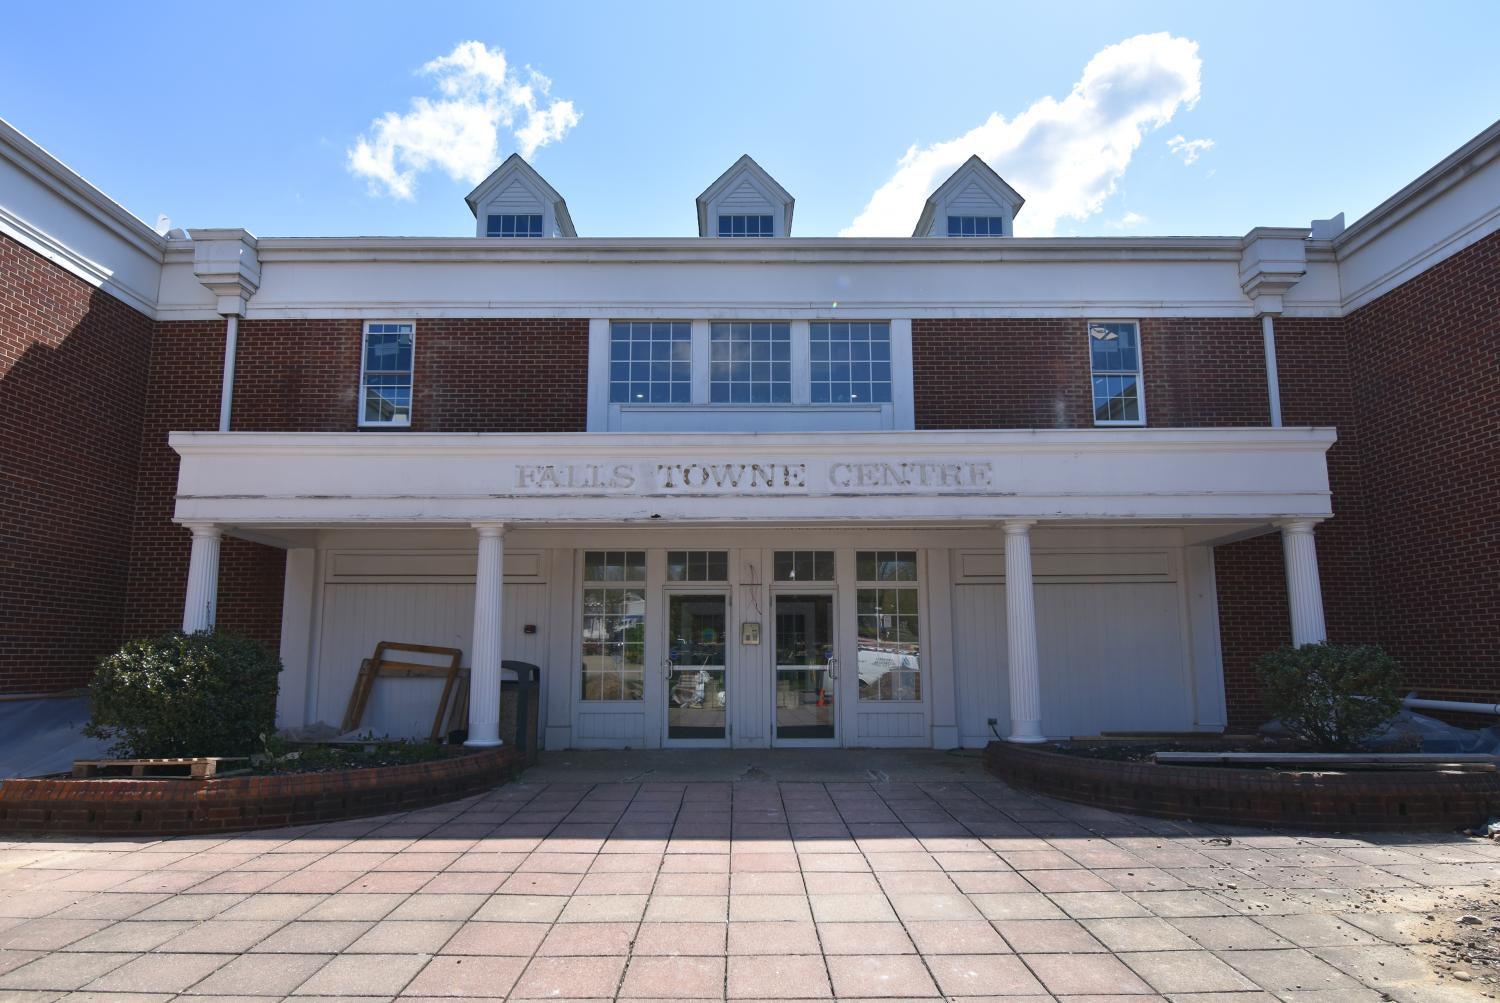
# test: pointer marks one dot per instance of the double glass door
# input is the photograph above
(806, 669)
(696, 668)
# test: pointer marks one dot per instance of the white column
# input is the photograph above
(1020, 633)
(203, 579)
(484, 662)
(1303, 590)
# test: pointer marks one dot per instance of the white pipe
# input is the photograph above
(226, 394)
(1464, 706)
(1273, 382)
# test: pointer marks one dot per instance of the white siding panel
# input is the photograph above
(358, 616)
(979, 661)
(514, 197)
(892, 728)
(744, 198)
(972, 201)
(610, 728)
(1113, 658)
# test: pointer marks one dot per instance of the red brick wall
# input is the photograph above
(73, 365)
(492, 375)
(1427, 382)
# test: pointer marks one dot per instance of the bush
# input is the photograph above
(1331, 695)
(204, 694)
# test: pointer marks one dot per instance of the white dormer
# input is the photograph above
(745, 202)
(973, 202)
(516, 201)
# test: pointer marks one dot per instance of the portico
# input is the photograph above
(1032, 529)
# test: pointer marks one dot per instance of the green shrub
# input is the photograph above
(204, 694)
(1331, 695)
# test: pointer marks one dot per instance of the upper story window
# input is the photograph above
(650, 362)
(851, 362)
(976, 226)
(697, 565)
(743, 225)
(750, 363)
(508, 224)
(1115, 364)
(386, 375)
(803, 566)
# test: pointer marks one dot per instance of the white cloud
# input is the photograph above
(1126, 222)
(1189, 149)
(1063, 156)
(461, 132)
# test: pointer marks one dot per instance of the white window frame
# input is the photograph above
(917, 587)
(1140, 371)
(364, 353)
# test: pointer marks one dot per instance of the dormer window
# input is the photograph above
(976, 226)
(740, 225)
(513, 225)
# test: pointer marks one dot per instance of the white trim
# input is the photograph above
(364, 334)
(598, 369)
(903, 380)
(76, 264)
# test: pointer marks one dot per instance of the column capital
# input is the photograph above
(204, 529)
(1298, 525)
(489, 529)
(1018, 527)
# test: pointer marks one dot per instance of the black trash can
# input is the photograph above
(520, 686)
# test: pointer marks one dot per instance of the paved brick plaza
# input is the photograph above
(752, 890)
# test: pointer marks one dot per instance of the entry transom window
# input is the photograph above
(742, 225)
(890, 647)
(614, 625)
(1115, 363)
(803, 566)
(976, 226)
(750, 363)
(650, 362)
(507, 224)
(697, 565)
(851, 362)
(386, 375)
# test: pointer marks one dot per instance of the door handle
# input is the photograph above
(666, 668)
(833, 668)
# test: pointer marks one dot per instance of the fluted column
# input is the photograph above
(484, 663)
(1304, 591)
(1020, 634)
(203, 579)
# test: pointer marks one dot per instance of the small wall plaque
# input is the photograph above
(749, 633)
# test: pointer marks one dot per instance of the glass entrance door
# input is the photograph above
(695, 668)
(806, 669)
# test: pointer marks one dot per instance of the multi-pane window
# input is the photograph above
(1115, 361)
(697, 565)
(650, 362)
(976, 226)
(742, 225)
(385, 375)
(614, 624)
(509, 224)
(851, 362)
(890, 647)
(750, 363)
(803, 566)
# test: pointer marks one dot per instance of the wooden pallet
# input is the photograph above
(379, 666)
(198, 768)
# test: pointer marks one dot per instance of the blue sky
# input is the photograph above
(247, 116)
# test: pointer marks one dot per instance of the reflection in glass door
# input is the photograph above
(806, 669)
(695, 667)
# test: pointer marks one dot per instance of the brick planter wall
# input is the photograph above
(176, 807)
(1355, 802)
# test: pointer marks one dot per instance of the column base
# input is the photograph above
(483, 743)
(1026, 733)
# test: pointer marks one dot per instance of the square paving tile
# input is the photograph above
(569, 978)
(62, 971)
(772, 938)
(1287, 971)
(602, 909)
(687, 908)
(222, 936)
(983, 975)
(701, 939)
(363, 975)
(52, 934)
(778, 978)
(864, 938)
(871, 975)
(402, 936)
(261, 975)
(957, 937)
(588, 939)
(1146, 933)
(1186, 972)
(498, 939)
(851, 909)
(467, 976)
(681, 977)
(521, 909)
(308, 937)
(1229, 933)
(159, 973)
(1095, 974)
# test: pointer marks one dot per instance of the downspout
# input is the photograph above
(226, 394)
(1464, 706)
(1273, 381)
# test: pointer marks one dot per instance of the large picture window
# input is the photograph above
(851, 363)
(614, 625)
(890, 636)
(750, 363)
(1115, 364)
(650, 362)
(386, 375)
